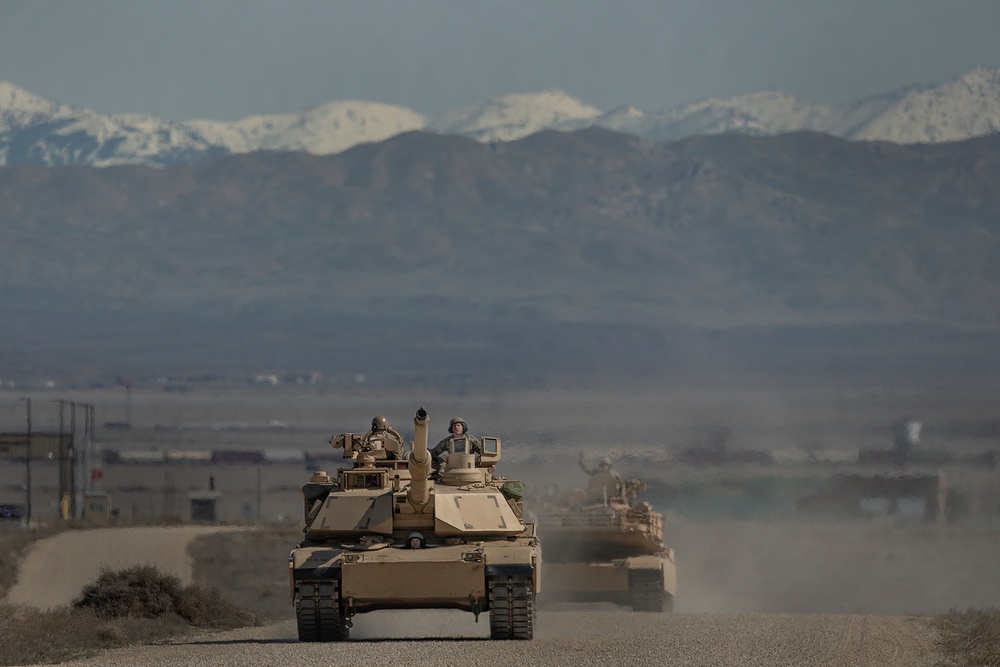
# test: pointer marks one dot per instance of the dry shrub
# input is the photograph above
(145, 592)
(971, 638)
(112, 633)
(141, 591)
(207, 608)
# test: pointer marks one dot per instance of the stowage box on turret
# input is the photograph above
(602, 545)
(390, 532)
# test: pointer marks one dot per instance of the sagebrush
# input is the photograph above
(971, 638)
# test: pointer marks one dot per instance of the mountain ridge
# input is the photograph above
(34, 130)
(428, 258)
(591, 201)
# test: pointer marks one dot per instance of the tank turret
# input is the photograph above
(390, 532)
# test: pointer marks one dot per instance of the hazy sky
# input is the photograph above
(226, 59)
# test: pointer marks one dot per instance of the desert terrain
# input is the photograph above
(760, 580)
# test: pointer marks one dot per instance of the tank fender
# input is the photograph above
(317, 574)
(314, 564)
(663, 563)
(645, 562)
(509, 569)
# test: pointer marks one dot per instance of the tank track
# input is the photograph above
(645, 589)
(317, 612)
(512, 607)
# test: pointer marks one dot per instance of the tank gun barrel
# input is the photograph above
(419, 462)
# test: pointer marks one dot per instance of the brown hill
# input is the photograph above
(557, 245)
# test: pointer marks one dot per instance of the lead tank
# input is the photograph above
(602, 545)
(389, 532)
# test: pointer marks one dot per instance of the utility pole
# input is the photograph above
(88, 446)
(78, 483)
(27, 465)
(67, 469)
(62, 456)
(93, 442)
(258, 493)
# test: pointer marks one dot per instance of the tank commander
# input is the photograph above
(459, 442)
(383, 440)
(604, 482)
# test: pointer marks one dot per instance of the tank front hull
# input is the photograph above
(572, 545)
(645, 583)
(426, 578)
(446, 577)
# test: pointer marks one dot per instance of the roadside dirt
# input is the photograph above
(58, 567)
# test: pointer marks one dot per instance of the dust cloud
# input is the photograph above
(862, 567)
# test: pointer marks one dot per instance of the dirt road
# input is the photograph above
(564, 635)
(594, 636)
(57, 568)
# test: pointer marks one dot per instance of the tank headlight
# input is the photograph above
(473, 557)
(352, 558)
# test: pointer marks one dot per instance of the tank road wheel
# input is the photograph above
(645, 590)
(317, 611)
(512, 607)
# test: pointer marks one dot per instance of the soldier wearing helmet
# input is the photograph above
(604, 483)
(458, 441)
(383, 439)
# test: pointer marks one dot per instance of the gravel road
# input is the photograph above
(564, 635)
(582, 636)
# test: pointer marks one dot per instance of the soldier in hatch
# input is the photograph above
(459, 441)
(604, 483)
(384, 438)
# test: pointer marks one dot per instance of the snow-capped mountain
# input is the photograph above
(964, 107)
(515, 116)
(968, 106)
(328, 128)
(760, 113)
(38, 131)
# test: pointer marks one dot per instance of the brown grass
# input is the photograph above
(30, 636)
(971, 638)
(251, 566)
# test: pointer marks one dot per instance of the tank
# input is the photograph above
(603, 545)
(390, 532)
